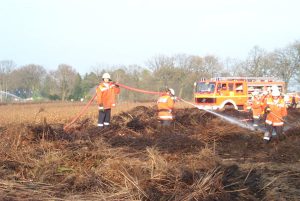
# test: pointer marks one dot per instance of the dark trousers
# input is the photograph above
(104, 117)
(256, 122)
(294, 105)
(264, 117)
(278, 130)
(165, 123)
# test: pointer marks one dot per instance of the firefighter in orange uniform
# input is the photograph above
(257, 109)
(165, 105)
(265, 96)
(106, 94)
(276, 113)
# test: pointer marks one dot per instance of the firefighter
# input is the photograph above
(165, 105)
(265, 96)
(257, 108)
(294, 102)
(276, 114)
(106, 94)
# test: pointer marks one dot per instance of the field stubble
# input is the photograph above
(200, 157)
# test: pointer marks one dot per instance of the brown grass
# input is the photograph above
(57, 112)
(135, 159)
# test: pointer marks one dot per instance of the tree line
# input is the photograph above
(178, 71)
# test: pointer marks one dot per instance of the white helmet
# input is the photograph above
(275, 93)
(172, 91)
(265, 92)
(255, 93)
(106, 76)
(274, 88)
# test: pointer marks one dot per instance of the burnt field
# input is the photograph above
(201, 157)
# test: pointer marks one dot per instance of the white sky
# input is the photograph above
(85, 33)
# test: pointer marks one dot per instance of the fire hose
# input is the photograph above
(80, 113)
(187, 102)
(66, 127)
(138, 90)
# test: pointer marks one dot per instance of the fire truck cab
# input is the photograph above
(230, 92)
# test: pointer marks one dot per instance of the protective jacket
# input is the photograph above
(257, 107)
(106, 93)
(165, 105)
(264, 100)
(277, 111)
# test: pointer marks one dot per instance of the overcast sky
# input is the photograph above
(85, 33)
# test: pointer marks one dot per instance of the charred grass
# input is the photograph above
(200, 157)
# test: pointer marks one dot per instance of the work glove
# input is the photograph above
(101, 108)
(174, 98)
(114, 83)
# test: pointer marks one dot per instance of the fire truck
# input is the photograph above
(231, 92)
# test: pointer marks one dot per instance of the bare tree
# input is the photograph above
(29, 77)
(65, 77)
(232, 67)
(6, 67)
(162, 67)
(182, 61)
(257, 63)
(196, 65)
(99, 69)
(50, 86)
(160, 61)
(212, 66)
(296, 47)
(286, 63)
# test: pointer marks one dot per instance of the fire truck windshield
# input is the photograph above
(203, 87)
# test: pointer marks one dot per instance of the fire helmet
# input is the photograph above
(265, 92)
(255, 93)
(275, 93)
(172, 91)
(106, 76)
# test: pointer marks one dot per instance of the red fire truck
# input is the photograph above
(231, 92)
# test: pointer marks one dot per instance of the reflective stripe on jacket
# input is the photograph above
(278, 111)
(106, 93)
(165, 105)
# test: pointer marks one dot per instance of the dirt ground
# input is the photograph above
(199, 157)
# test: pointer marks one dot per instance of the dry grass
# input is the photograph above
(56, 112)
(37, 168)
(79, 168)
(134, 160)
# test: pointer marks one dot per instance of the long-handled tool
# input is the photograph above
(281, 119)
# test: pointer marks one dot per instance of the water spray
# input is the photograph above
(231, 120)
(226, 118)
